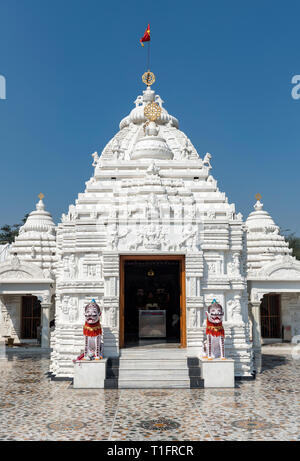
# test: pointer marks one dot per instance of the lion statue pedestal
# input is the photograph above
(90, 367)
(89, 374)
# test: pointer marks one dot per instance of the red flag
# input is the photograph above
(146, 36)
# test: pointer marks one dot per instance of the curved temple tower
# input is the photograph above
(151, 203)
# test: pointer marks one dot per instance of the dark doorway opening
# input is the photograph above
(151, 302)
(270, 314)
(31, 317)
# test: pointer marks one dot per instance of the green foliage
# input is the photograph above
(294, 243)
(9, 232)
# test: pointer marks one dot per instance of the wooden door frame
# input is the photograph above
(181, 259)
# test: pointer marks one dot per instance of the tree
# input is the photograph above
(9, 232)
(294, 243)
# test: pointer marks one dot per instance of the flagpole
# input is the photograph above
(149, 55)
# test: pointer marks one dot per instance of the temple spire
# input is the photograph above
(258, 205)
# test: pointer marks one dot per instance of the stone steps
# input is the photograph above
(153, 368)
(158, 372)
(154, 384)
(151, 363)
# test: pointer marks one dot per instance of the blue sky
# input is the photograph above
(224, 68)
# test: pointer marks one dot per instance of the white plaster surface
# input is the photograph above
(89, 374)
(150, 192)
(218, 372)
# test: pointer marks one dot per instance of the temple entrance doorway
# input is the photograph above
(270, 314)
(31, 317)
(152, 301)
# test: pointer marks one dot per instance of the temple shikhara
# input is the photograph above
(155, 243)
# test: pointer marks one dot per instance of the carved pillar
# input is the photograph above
(254, 310)
(2, 327)
(45, 340)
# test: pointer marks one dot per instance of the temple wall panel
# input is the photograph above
(11, 316)
(290, 312)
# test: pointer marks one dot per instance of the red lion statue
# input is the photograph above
(214, 332)
(92, 331)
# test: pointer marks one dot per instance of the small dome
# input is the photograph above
(137, 116)
(39, 220)
(151, 146)
(264, 241)
(260, 220)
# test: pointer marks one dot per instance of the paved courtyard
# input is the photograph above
(32, 407)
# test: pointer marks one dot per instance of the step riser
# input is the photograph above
(157, 356)
(163, 384)
(154, 364)
(153, 374)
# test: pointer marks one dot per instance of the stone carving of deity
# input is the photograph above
(212, 268)
(116, 150)
(15, 262)
(193, 318)
(114, 237)
(73, 267)
(91, 270)
(233, 267)
(178, 212)
(65, 306)
(152, 210)
(73, 214)
(100, 270)
(73, 310)
(153, 170)
(121, 155)
(190, 212)
(186, 151)
(189, 238)
(153, 236)
(235, 309)
(112, 317)
(211, 214)
(95, 158)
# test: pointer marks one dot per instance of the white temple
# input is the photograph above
(151, 229)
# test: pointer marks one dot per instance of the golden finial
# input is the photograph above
(258, 197)
(41, 196)
(148, 78)
(152, 111)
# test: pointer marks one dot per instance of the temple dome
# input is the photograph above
(39, 220)
(264, 242)
(151, 146)
(36, 242)
(260, 220)
(137, 116)
(137, 140)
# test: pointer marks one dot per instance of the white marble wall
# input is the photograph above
(290, 312)
(10, 317)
